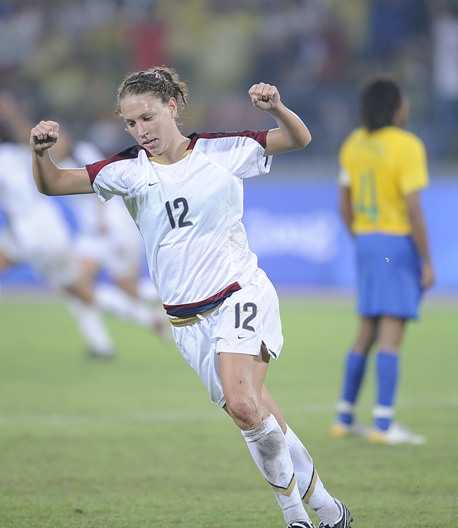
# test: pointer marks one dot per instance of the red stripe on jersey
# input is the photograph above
(130, 153)
(258, 135)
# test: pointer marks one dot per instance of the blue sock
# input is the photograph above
(355, 367)
(387, 375)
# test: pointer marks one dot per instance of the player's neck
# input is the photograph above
(177, 151)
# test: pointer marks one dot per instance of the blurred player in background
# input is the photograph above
(186, 197)
(383, 170)
(37, 234)
(106, 238)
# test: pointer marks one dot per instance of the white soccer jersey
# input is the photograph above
(189, 213)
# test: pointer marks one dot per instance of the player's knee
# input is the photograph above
(244, 410)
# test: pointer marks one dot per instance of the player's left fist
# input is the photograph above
(264, 96)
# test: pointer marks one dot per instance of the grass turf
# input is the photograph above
(135, 442)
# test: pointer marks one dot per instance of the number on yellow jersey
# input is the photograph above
(367, 199)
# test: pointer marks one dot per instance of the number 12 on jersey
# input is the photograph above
(180, 205)
(242, 320)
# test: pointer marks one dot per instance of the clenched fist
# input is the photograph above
(264, 96)
(43, 136)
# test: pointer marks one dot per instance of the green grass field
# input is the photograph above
(135, 442)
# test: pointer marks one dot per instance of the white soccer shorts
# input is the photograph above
(245, 320)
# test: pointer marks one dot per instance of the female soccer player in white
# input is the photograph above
(186, 196)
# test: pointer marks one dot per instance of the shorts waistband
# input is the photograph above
(183, 311)
(186, 321)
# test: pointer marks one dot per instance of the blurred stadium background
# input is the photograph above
(64, 60)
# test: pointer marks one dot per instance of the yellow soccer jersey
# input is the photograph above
(381, 168)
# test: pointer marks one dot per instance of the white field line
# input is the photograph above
(143, 417)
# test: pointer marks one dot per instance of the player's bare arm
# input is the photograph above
(346, 209)
(420, 238)
(49, 178)
(292, 133)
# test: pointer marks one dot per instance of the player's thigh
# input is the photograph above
(242, 379)
(367, 334)
(129, 284)
(242, 375)
(390, 333)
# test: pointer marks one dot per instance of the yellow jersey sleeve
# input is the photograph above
(413, 166)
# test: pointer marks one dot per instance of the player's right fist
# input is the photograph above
(44, 135)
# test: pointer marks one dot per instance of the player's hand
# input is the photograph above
(427, 276)
(264, 96)
(43, 136)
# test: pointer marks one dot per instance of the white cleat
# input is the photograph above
(397, 434)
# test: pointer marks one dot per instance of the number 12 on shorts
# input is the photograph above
(244, 315)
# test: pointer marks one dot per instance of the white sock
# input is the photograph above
(268, 447)
(91, 325)
(310, 486)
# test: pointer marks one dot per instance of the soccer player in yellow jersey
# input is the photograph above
(383, 171)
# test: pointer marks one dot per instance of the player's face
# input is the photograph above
(150, 121)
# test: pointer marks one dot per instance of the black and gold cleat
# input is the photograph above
(344, 521)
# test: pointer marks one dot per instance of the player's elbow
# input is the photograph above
(306, 138)
(301, 140)
(44, 189)
(280, 142)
